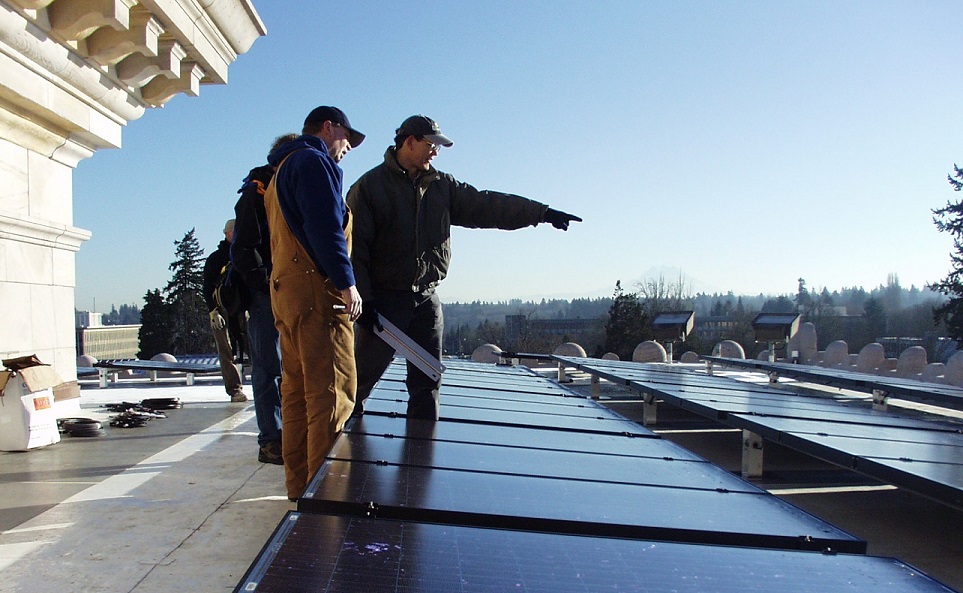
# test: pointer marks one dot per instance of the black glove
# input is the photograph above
(369, 317)
(559, 219)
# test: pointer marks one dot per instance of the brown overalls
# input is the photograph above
(318, 377)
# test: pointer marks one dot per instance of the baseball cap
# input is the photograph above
(420, 125)
(335, 116)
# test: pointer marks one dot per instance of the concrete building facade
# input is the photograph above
(73, 73)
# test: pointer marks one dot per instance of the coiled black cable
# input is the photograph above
(81, 427)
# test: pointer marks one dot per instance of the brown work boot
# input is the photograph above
(271, 453)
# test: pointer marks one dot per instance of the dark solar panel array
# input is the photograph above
(525, 486)
(911, 389)
(925, 456)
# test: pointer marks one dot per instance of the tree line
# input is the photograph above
(174, 319)
(854, 314)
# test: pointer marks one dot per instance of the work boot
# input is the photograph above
(238, 396)
(271, 453)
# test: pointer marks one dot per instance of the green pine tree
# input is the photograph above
(190, 330)
(627, 325)
(949, 219)
(154, 334)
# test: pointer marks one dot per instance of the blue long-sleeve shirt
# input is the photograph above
(309, 188)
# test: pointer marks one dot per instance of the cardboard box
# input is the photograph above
(27, 418)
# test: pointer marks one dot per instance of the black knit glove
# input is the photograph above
(559, 219)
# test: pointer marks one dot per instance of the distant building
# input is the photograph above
(109, 342)
(88, 319)
(714, 328)
(519, 327)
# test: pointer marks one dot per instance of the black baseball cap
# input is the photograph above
(335, 116)
(420, 125)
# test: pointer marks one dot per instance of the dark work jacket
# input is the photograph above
(251, 249)
(216, 261)
(402, 229)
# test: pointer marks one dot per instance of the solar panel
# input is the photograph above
(539, 396)
(624, 444)
(513, 492)
(913, 453)
(500, 412)
(716, 404)
(508, 383)
(568, 506)
(716, 397)
(930, 463)
(319, 552)
(903, 387)
(657, 468)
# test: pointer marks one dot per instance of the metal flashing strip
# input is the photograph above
(407, 347)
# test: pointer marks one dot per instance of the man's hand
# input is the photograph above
(217, 322)
(369, 318)
(352, 302)
(559, 219)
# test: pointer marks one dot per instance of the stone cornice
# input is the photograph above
(24, 229)
(82, 69)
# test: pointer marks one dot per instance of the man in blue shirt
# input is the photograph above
(313, 293)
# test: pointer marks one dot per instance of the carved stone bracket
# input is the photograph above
(160, 90)
(109, 46)
(76, 19)
(116, 57)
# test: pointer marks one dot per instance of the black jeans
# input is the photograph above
(417, 314)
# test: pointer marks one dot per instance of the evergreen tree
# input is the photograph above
(780, 304)
(154, 335)
(627, 325)
(875, 317)
(804, 301)
(127, 315)
(190, 331)
(949, 219)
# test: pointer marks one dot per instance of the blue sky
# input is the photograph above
(741, 144)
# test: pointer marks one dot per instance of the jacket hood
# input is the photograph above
(297, 144)
(264, 173)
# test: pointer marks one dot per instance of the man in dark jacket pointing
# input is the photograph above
(403, 211)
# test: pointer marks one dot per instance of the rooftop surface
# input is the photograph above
(183, 504)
